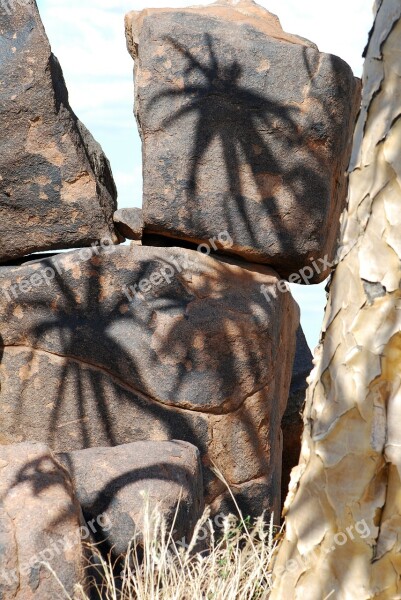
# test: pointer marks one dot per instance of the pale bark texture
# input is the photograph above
(343, 511)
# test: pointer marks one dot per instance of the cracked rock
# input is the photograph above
(245, 129)
(56, 185)
(129, 482)
(144, 343)
(40, 522)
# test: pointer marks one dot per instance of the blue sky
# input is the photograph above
(87, 36)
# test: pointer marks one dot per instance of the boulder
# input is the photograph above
(40, 523)
(128, 482)
(108, 346)
(129, 223)
(292, 423)
(245, 129)
(56, 186)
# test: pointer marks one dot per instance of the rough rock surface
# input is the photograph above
(56, 186)
(39, 522)
(292, 423)
(118, 483)
(129, 223)
(245, 129)
(193, 357)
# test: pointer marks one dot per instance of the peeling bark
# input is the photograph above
(343, 511)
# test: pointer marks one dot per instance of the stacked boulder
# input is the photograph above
(110, 353)
(40, 523)
(52, 505)
(246, 137)
(245, 129)
(194, 356)
(56, 186)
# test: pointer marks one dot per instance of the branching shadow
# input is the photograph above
(260, 139)
(88, 368)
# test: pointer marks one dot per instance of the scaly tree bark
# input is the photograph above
(343, 512)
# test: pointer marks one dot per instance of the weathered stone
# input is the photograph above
(129, 223)
(292, 423)
(56, 186)
(193, 357)
(40, 522)
(125, 482)
(245, 129)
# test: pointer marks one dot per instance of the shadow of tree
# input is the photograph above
(105, 526)
(42, 474)
(46, 472)
(84, 367)
(272, 148)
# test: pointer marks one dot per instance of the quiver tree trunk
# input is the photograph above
(343, 511)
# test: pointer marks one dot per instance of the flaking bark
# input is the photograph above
(343, 511)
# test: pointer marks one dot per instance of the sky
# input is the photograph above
(88, 38)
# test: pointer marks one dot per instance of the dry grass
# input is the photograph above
(233, 565)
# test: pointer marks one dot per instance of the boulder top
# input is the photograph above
(239, 12)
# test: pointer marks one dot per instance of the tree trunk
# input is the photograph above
(343, 511)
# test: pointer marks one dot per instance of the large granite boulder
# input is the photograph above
(56, 186)
(132, 482)
(245, 129)
(40, 522)
(109, 346)
(292, 423)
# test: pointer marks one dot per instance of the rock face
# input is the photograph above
(245, 129)
(118, 483)
(56, 186)
(39, 522)
(292, 423)
(129, 223)
(190, 352)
